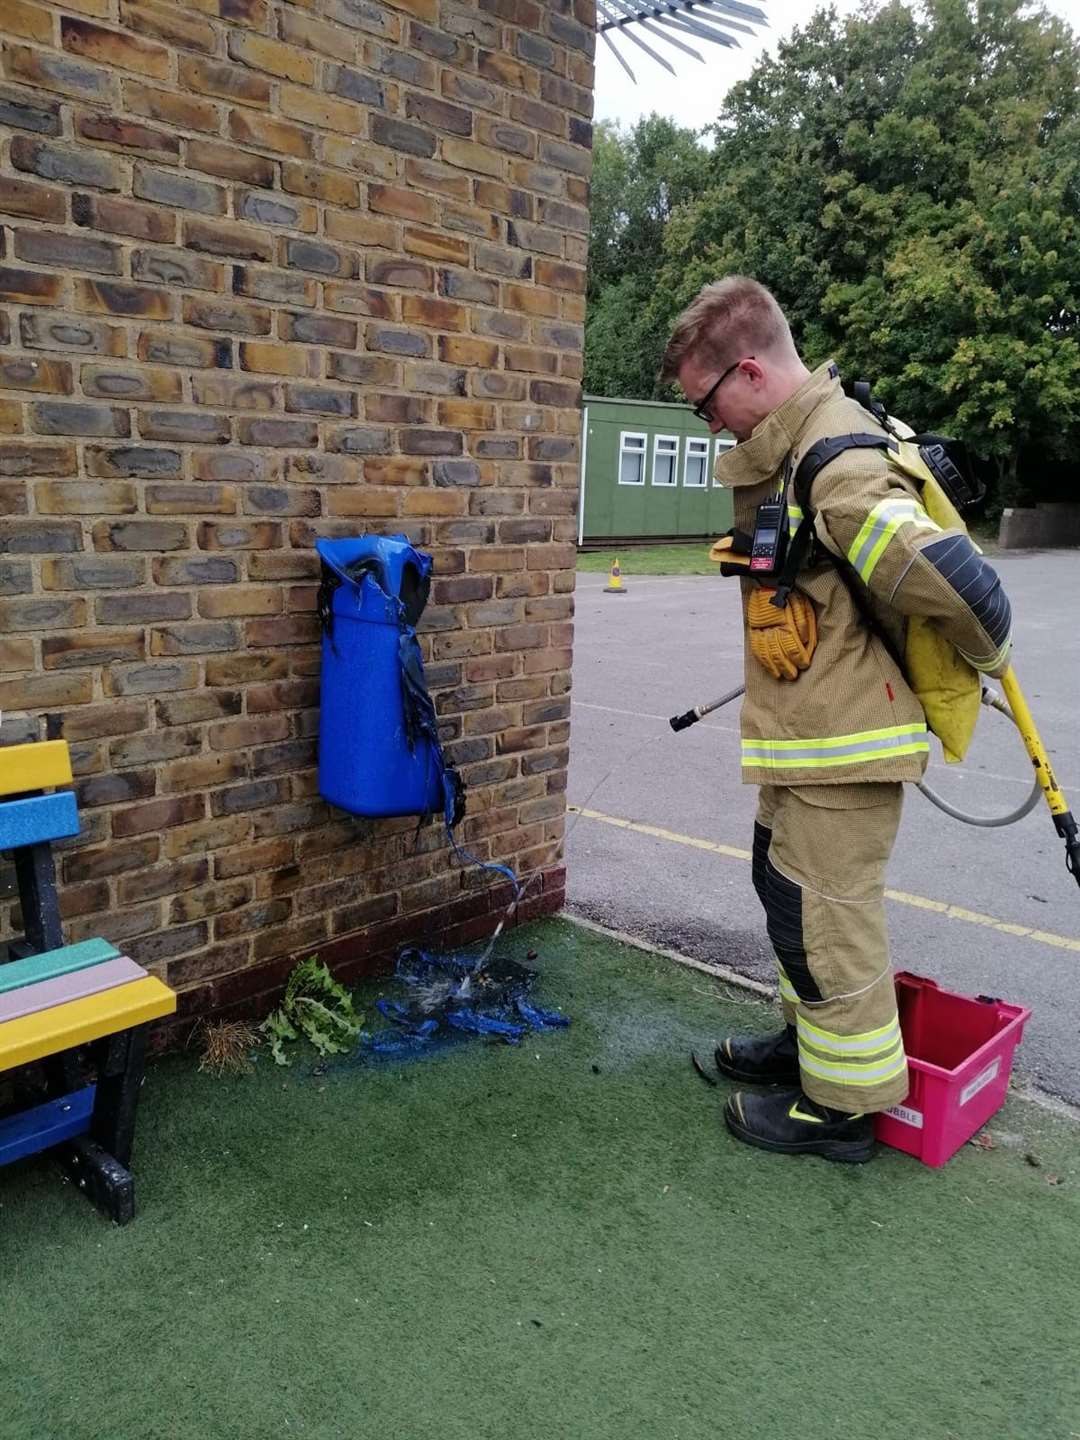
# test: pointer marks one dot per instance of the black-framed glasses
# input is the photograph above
(701, 409)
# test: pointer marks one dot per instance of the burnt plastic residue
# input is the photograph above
(450, 994)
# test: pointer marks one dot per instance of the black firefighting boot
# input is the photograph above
(760, 1059)
(791, 1123)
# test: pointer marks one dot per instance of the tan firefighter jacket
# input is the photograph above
(851, 716)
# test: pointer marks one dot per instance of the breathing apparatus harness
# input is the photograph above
(784, 642)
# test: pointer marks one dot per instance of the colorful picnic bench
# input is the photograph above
(66, 1009)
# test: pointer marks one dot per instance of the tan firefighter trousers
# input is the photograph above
(819, 870)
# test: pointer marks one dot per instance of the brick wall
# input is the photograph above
(271, 271)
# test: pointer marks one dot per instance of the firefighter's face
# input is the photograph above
(726, 399)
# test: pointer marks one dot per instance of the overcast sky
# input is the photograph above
(693, 97)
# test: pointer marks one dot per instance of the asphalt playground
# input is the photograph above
(659, 838)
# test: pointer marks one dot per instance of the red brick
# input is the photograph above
(213, 900)
(61, 74)
(111, 48)
(163, 105)
(224, 315)
(115, 382)
(30, 22)
(110, 859)
(158, 815)
(357, 228)
(230, 82)
(312, 34)
(287, 61)
(287, 630)
(221, 238)
(406, 204)
(265, 856)
(429, 175)
(268, 134)
(323, 111)
(435, 314)
(229, 162)
(30, 287)
(209, 835)
(108, 298)
(169, 880)
(48, 377)
(327, 185)
(128, 135)
(85, 497)
(123, 217)
(178, 190)
(434, 246)
(36, 202)
(34, 692)
(461, 351)
(170, 24)
(17, 654)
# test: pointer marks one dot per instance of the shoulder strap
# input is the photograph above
(812, 463)
(861, 394)
(816, 458)
(820, 454)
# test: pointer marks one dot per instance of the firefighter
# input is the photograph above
(831, 728)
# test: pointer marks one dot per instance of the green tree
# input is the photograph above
(640, 177)
(908, 184)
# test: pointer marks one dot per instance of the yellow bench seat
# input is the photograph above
(48, 1032)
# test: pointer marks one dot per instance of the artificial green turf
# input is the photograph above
(543, 1243)
(651, 560)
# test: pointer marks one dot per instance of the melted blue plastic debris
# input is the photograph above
(448, 994)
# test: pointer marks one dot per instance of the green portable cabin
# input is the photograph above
(646, 474)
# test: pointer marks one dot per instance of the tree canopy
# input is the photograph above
(907, 183)
(640, 179)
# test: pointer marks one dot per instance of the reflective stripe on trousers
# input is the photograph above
(819, 870)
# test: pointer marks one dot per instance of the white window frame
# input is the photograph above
(642, 454)
(720, 447)
(673, 455)
(699, 447)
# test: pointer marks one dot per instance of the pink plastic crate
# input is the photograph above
(960, 1053)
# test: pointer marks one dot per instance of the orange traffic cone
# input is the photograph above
(615, 585)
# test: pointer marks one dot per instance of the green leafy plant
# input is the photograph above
(315, 1006)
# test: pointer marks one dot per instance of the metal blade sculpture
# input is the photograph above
(672, 22)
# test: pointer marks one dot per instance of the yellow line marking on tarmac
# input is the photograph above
(659, 833)
(918, 902)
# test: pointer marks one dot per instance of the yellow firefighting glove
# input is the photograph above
(784, 640)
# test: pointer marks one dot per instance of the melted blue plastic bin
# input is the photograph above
(369, 764)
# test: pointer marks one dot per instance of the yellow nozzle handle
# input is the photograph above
(1033, 743)
(1064, 823)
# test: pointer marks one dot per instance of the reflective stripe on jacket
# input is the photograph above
(852, 715)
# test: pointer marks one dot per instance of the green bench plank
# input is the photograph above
(51, 963)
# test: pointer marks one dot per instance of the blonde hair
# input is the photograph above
(727, 320)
